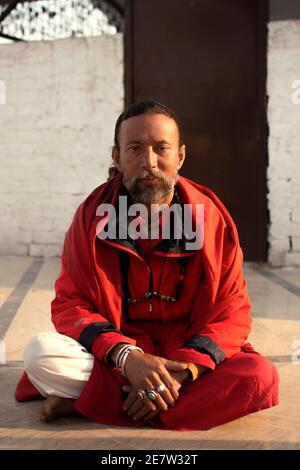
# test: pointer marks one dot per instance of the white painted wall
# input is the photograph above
(284, 142)
(56, 133)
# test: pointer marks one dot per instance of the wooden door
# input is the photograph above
(207, 60)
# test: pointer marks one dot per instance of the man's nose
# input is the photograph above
(149, 159)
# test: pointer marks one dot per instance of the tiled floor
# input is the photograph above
(26, 289)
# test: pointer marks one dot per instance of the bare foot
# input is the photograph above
(57, 406)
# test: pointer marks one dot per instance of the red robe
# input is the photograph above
(207, 325)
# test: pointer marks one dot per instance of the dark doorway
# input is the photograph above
(207, 60)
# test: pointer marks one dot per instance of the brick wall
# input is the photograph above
(62, 101)
(284, 142)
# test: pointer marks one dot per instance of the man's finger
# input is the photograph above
(163, 384)
(168, 381)
(135, 407)
(176, 366)
(144, 411)
(129, 400)
(167, 394)
(159, 401)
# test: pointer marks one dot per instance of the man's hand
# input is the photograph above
(146, 372)
(138, 408)
(147, 409)
(179, 377)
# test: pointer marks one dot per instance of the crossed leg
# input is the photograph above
(59, 367)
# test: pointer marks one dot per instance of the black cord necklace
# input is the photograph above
(151, 293)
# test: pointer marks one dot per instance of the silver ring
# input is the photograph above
(141, 394)
(152, 395)
(160, 388)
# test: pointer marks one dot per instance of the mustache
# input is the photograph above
(149, 174)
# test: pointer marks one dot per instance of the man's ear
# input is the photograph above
(115, 155)
(181, 155)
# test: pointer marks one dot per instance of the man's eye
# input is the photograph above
(134, 148)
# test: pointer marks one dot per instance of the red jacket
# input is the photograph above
(207, 324)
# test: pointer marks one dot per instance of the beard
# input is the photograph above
(150, 193)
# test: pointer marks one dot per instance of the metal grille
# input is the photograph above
(3, 7)
(56, 19)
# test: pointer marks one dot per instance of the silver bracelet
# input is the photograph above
(117, 361)
(122, 356)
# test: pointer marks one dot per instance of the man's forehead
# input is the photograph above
(157, 127)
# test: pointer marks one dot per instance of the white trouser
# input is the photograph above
(57, 365)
